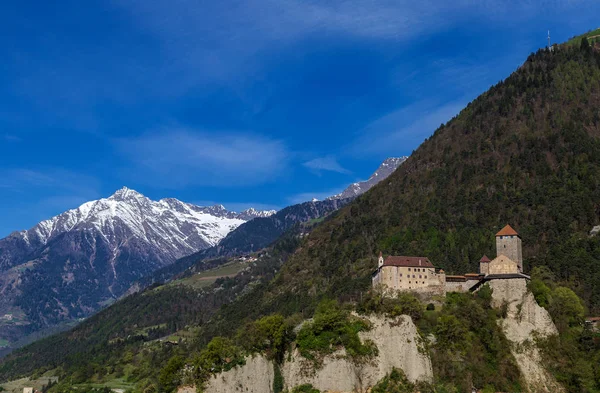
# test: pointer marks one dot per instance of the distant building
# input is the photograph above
(27, 390)
(593, 323)
(418, 274)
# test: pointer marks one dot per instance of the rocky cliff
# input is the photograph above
(399, 346)
(525, 320)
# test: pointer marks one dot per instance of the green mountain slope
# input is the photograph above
(525, 152)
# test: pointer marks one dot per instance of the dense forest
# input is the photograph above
(527, 152)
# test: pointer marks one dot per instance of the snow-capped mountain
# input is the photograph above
(69, 265)
(173, 227)
(386, 168)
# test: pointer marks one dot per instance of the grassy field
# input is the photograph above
(3, 343)
(116, 383)
(577, 40)
(18, 385)
(207, 278)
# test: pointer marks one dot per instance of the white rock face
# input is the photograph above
(399, 346)
(256, 376)
(525, 319)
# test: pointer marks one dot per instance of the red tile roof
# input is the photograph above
(507, 231)
(484, 259)
(407, 261)
(593, 319)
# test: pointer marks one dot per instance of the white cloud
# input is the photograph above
(180, 157)
(325, 164)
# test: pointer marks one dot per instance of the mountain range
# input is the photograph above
(71, 265)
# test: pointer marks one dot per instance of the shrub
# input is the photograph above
(219, 355)
(403, 303)
(394, 382)
(270, 334)
(306, 388)
(331, 329)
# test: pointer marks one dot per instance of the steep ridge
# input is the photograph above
(71, 265)
(386, 168)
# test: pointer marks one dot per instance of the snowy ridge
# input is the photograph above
(386, 168)
(173, 227)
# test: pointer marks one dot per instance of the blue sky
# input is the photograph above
(258, 103)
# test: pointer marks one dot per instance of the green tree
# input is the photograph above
(585, 44)
(541, 292)
(169, 377)
(270, 334)
(566, 308)
(219, 355)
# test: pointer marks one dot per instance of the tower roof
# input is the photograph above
(407, 261)
(484, 259)
(507, 231)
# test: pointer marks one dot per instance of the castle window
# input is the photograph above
(420, 276)
(414, 276)
(409, 269)
(426, 277)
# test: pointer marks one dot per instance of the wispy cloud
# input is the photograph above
(38, 194)
(404, 128)
(11, 138)
(180, 157)
(330, 164)
(57, 179)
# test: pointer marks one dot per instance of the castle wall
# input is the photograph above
(408, 278)
(503, 265)
(510, 246)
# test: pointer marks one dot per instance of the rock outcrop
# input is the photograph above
(399, 346)
(524, 321)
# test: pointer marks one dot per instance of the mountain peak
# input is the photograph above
(125, 193)
(387, 167)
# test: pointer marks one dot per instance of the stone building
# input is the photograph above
(418, 274)
(407, 273)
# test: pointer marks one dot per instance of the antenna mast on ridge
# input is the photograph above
(548, 39)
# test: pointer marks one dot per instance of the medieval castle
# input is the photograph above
(418, 274)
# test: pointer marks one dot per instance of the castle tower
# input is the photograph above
(484, 265)
(508, 243)
(380, 264)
